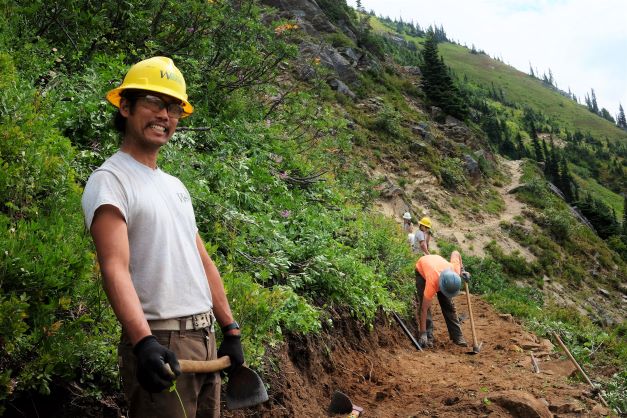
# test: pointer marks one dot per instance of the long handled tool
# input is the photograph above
(406, 330)
(341, 404)
(244, 389)
(572, 359)
(476, 348)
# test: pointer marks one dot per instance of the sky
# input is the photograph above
(582, 42)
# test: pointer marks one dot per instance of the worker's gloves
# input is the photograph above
(465, 276)
(231, 346)
(151, 359)
(423, 341)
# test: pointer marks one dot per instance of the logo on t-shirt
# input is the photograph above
(183, 197)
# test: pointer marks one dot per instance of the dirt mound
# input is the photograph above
(382, 372)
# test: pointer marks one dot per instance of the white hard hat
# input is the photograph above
(406, 215)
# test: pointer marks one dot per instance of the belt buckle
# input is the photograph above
(203, 320)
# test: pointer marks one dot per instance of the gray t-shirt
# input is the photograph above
(165, 265)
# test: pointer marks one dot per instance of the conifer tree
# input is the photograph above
(545, 153)
(565, 180)
(621, 122)
(605, 114)
(520, 146)
(437, 82)
(537, 148)
(553, 163)
(593, 101)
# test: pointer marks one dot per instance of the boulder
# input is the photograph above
(307, 10)
(521, 404)
(437, 114)
(418, 147)
(305, 72)
(472, 168)
(419, 130)
(350, 54)
(566, 408)
(412, 70)
(331, 58)
(342, 88)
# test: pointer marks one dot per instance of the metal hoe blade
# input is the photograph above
(244, 389)
(341, 404)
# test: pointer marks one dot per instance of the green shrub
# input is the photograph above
(513, 264)
(52, 319)
(388, 120)
(451, 172)
(559, 223)
(338, 39)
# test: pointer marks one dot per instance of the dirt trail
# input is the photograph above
(382, 372)
(473, 234)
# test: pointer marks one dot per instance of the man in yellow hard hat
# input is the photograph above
(164, 288)
(423, 235)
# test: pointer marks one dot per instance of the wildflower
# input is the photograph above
(286, 213)
(284, 28)
(283, 175)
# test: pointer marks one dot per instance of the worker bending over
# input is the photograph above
(435, 275)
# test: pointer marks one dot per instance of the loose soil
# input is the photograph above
(381, 371)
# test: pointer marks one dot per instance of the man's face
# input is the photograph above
(153, 119)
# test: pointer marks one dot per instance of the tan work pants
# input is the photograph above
(199, 392)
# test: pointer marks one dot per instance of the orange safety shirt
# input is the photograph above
(430, 267)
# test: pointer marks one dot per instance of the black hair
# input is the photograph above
(119, 121)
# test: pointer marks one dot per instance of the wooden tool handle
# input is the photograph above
(472, 319)
(197, 366)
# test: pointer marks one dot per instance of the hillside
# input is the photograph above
(313, 133)
(382, 372)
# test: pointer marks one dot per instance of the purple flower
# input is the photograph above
(286, 213)
(191, 30)
(282, 175)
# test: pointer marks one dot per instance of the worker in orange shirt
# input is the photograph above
(435, 275)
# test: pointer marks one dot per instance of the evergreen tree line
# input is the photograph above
(413, 28)
(556, 169)
(590, 99)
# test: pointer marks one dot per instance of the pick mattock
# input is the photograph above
(341, 404)
(476, 348)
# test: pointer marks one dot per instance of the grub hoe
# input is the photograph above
(244, 388)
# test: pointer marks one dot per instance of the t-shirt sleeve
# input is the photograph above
(420, 236)
(103, 188)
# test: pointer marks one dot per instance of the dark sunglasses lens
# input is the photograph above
(155, 104)
(175, 110)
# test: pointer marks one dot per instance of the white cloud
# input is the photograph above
(583, 42)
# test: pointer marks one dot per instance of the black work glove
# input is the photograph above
(465, 276)
(423, 340)
(231, 346)
(151, 359)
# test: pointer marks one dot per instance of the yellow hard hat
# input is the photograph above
(158, 74)
(426, 222)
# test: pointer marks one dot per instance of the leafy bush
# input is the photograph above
(388, 120)
(52, 318)
(513, 264)
(452, 174)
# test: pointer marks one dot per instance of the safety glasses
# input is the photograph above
(156, 104)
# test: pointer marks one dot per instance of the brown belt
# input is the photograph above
(195, 322)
